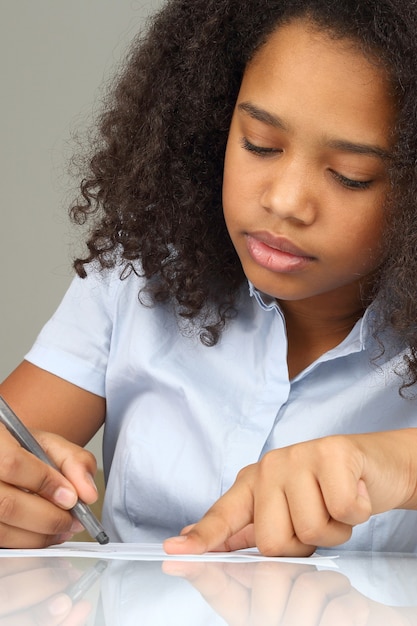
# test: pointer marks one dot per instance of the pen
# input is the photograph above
(19, 431)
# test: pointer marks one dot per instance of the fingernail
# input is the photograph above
(60, 605)
(179, 539)
(91, 480)
(65, 497)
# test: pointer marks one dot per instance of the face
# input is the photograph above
(306, 166)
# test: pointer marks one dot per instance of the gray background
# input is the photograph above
(55, 56)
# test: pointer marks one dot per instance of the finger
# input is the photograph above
(347, 499)
(30, 512)
(291, 515)
(244, 538)
(274, 527)
(312, 521)
(339, 470)
(12, 537)
(229, 515)
(22, 469)
(344, 491)
(79, 466)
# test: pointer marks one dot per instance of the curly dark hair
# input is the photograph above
(154, 179)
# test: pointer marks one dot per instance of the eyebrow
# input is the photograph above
(337, 144)
(261, 115)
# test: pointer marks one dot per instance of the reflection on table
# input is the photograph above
(361, 589)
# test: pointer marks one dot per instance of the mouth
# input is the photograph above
(277, 254)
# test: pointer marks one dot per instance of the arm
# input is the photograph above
(44, 401)
(310, 494)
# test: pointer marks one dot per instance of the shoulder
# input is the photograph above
(107, 286)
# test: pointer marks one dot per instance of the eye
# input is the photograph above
(349, 183)
(258, 150)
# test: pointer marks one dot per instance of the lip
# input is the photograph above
(276, 253)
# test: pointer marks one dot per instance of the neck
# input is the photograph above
(317, 325)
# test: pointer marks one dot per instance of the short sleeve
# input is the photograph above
(74, 344)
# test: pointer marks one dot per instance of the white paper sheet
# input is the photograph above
(155, 552)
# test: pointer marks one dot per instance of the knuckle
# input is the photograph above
(244, 472)
(269, 548)
(332, 534)
(45, 484)
(309, 535)
(342, 511)
(335, 446)
(7, 507)
(80, 454)
(79, 460)
(90, 459)
(8, 465)
(269, 463)
(350, 511)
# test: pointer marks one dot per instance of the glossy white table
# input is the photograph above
(360, 589)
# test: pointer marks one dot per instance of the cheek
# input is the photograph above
(360, 244)
(241, 193)
(233, 194)
(370, 231)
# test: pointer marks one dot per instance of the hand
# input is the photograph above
(33, 591)
(30, 521)
(271, 593)
(307, 495)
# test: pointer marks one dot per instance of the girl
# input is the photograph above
(274, 340)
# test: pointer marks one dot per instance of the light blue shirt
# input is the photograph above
(182, 418)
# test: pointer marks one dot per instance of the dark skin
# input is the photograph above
(28, 521)
(317, 325)
(296, 485)
(303, 203)
(310, 336)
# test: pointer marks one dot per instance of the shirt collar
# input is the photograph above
(354, 342)
(267, 303)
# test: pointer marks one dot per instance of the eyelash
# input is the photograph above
(355, 185)
(258, 150)
(349, 183)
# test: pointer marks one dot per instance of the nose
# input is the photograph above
(290, 191)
